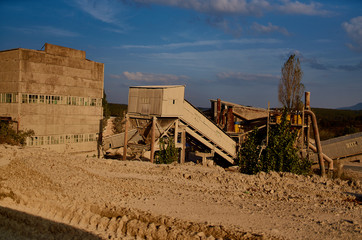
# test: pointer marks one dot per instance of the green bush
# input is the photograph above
(168, 152)
(9, 136)
(249, 161)
(280, 154)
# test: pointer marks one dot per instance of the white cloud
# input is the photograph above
(102, 10)
(244, 7)
(269, 28)
(312, 9)
(106, 11)
(354, 31)
(204, 43)
(46, 30)
(149, 77)
(56, 31)
(239, 76)
(253, 7)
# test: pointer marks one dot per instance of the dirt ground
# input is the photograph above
(48, 195)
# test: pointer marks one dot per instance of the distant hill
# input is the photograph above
(337, 122)
(358, 106)
(117, 110)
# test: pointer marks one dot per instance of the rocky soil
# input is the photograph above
(47, 195)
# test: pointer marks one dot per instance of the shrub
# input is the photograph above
(168, 152)
(9, 136)
(280, 154)
(249, 161)
(119, 124)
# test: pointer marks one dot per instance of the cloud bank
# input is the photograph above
(239, 77)
(243, 7)
(353, 29)
(269, 29)
(150, 77)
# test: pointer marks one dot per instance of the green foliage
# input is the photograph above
(168, 152)
(106, 112)
(118, 125)
(249, 161)
(105, 105)
(9, 136)
(280, 154)
(117, 110)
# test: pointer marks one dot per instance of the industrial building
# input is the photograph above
(162, 112)
(56, 92)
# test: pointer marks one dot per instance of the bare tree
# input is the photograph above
(290, 87)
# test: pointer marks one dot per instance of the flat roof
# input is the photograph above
(159, 86)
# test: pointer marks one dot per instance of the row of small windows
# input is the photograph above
(61, 139)
(49, 99)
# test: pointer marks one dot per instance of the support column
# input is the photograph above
(307, 100)
(125, 138)
(176, 131)
(218, 106)
(307, 107)
(153, 130)
(183, 148)
(230, 120)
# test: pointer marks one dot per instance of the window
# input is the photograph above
(81, 101)
(93, 102)
(24, 98)
(99, 102)
(74, 101)
(33, 98)
(91, 137)
(41, 99)
(55, 99)
(47, 99)
(61, 139)
(9, 98)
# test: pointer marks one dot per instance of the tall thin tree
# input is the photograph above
(291, 87)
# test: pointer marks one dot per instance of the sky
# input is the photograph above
(228, 49)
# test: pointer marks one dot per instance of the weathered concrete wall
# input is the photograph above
(45, 73)
(9, 71)
(58, 72)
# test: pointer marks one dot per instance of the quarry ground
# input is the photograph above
(47, 195)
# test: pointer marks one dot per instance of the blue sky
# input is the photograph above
(228, 49)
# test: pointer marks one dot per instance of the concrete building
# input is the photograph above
(56, 92)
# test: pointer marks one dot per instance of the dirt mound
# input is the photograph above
(66, 196)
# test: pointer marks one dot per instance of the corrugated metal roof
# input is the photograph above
(342, 138)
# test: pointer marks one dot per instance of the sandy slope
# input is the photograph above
(45, 195)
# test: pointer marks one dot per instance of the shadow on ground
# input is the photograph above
(20, 225)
